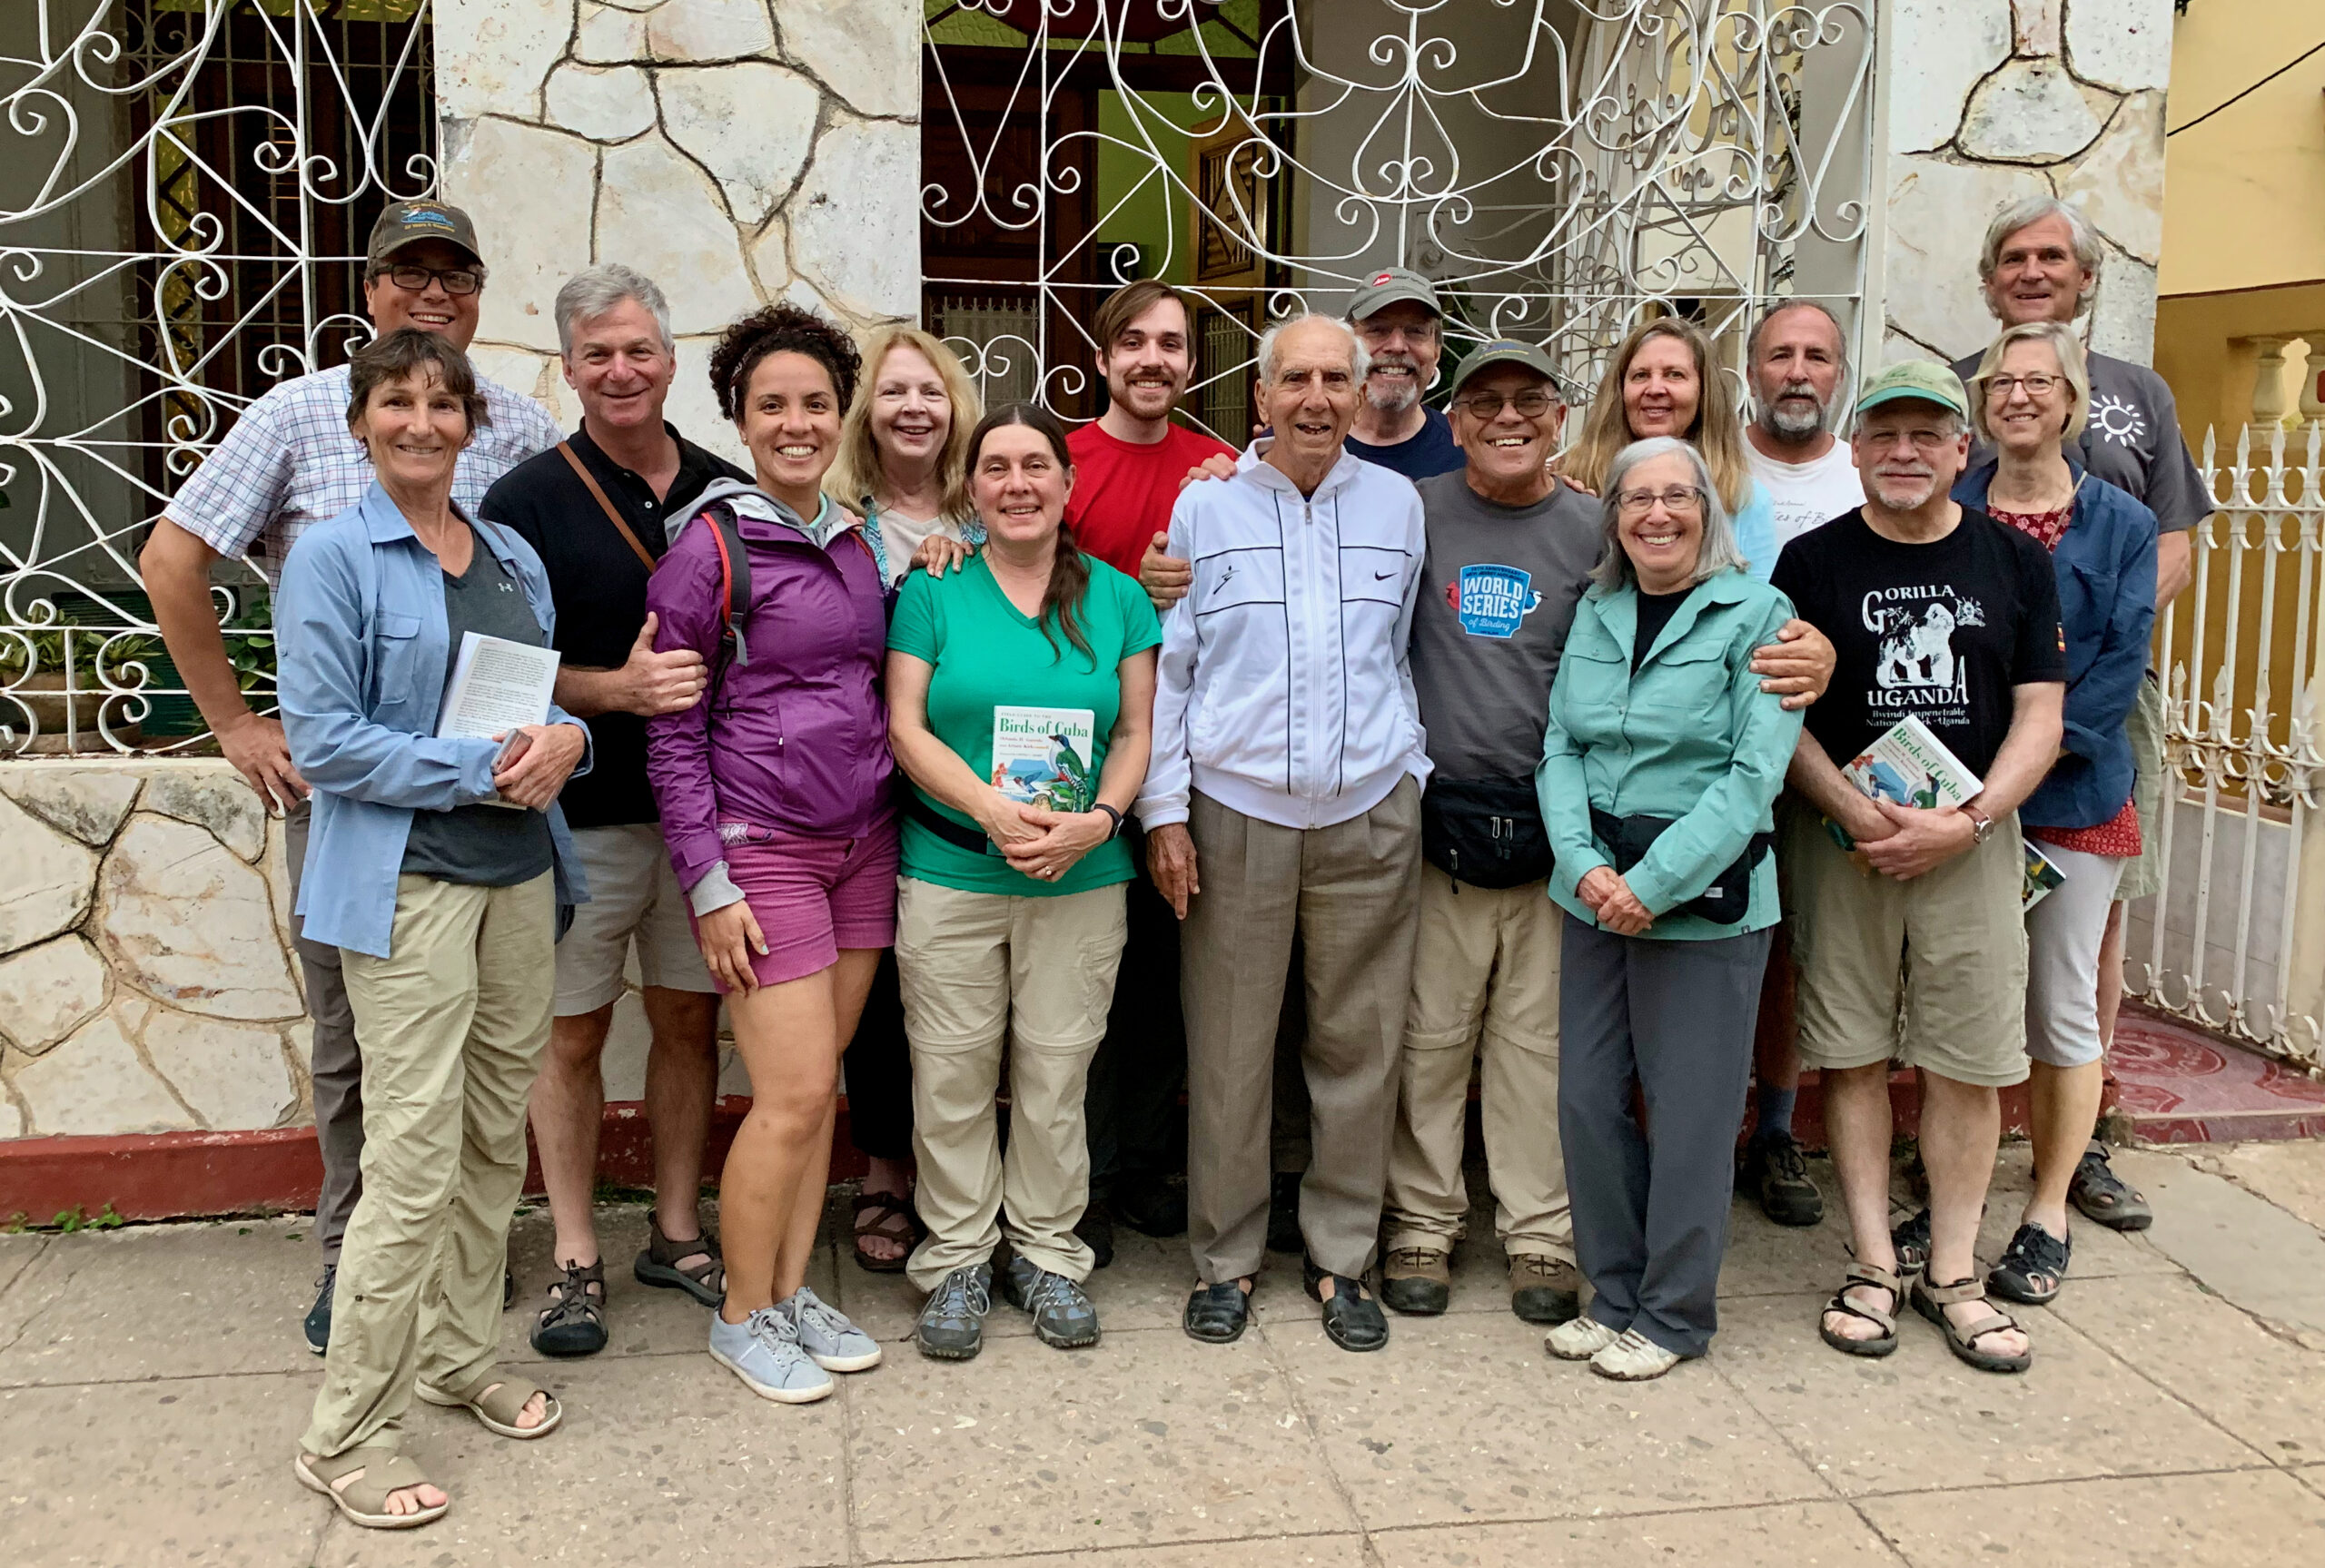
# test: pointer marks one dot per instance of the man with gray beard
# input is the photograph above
(1397, 317)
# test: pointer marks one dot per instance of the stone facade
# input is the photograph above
(733, 151)
(1995, 99)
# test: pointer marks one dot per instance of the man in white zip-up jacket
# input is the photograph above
(1285, 796)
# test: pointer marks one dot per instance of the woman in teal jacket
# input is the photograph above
(1660, 761)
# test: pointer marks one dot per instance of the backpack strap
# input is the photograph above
(733, 578)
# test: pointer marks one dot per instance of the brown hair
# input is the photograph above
(856, 474)
(406, 352)
(1128, 303)
(1069, 568)
(1715, 433)
(780, 328)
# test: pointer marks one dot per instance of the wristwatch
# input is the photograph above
(1111, 812)
(1981, 826)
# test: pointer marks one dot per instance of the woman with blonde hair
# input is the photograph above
(1663, 381)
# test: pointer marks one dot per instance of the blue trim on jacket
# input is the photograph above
(2106, 570)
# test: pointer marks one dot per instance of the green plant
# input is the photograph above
(45, 648)
(249, 644)
(69, 1220)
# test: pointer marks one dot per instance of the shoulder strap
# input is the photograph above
(598, 493)
(733, 577)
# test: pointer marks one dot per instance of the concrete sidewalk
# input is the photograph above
(152, 1386)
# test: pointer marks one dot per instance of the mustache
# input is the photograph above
(1396, 357)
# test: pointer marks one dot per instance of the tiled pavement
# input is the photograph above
(152, 1386)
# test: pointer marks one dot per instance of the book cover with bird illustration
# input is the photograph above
(1041, 757)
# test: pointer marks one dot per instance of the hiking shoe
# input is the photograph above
(1542, 1289)
(318, 1324)
(1062, 1313)
(2105, 1198)
(1416, 1281)
(1284, 1213)
(1149, 1203)
(764, 1351)
(1579, 1338)
(1633, 1358)
(831, 1341)
(952, 1322)
(1776, 1174)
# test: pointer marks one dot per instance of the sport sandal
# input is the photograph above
(1932, 1300)
(496, 1399)
(659, 1263)
(574, 1321)
(364, 1500)
(2032, 1268)
(2104, 1197)
(1860, 1275)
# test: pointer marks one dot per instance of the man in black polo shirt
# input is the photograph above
(593, 508)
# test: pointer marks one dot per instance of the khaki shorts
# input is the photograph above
(2144, 729)
(634, 897)
(1930, 972)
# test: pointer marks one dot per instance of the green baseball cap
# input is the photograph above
(1506, 351)
(407, 223)
(1388, 287)
(1923, 380)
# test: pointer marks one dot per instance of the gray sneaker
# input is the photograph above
(827, 1336)
(764, 1351)
(952, 1324)
(1062, 1315)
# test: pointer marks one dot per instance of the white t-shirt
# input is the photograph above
(1807, 495)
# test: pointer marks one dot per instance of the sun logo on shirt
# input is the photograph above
(2117, 419)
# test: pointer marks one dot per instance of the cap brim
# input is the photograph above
(1478, 364)
(1910, 394)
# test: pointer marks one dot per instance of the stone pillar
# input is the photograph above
(1985, 101)
(733, 151)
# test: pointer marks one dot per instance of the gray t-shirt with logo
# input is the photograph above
(2133, 439)
(1497, 590)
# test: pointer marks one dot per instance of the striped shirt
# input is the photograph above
(290, 462)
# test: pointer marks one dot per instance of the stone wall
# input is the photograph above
(1990, 100)
(733, 151)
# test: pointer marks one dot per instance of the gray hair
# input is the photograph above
(2063, 344)
(594, 290)
(1360, 359)
(1718, 552)
(2015, 215)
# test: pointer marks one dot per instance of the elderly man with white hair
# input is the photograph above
(1284, 797)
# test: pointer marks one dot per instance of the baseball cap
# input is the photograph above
(1505, 352)
(1923, 380)
(405, 223)
(1388, 287)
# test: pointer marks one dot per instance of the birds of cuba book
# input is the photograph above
(1041, 757)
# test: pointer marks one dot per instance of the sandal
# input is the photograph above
(2104, 1197)
(1931, 1301)
(659, 1263)
(497, 1399)
(364, 1500)
(1882, 1344)
(2032, 1269)
(574, 1321)
(1910, 1242)
(896, 1223)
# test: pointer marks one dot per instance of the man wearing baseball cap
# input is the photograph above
(1396, 314)
(1905, 919)
(287, 464)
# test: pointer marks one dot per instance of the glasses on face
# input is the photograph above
(1684, 499)
(456, 280)
(1532, 404)
(2037, 386)
(1927, 442)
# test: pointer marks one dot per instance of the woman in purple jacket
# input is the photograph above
(776, 801)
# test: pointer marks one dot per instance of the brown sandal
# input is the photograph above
(896, 1223)
(659, 1263)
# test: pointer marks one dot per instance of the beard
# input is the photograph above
(1904, 492)
(1784, 422)
(1393, 400)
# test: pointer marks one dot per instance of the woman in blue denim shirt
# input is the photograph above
(437, 866)
(1661, 759)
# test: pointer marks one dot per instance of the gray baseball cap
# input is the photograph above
(1506, 351)
(1388, 287)
(407, 223)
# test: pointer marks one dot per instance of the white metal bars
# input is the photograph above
(2235, 939)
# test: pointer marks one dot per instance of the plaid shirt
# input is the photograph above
(290, 463)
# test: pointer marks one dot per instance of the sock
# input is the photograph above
(1775, 1113)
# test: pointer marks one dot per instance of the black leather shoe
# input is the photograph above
(1218, 1313)
(1097, 1230)
(1149, 1204)
(1352, 1319)
(1283, 1212)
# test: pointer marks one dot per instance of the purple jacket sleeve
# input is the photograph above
(684, 592)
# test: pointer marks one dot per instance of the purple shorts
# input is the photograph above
(813, 896)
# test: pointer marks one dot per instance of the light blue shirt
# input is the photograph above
(364, 649)
(1756, 532)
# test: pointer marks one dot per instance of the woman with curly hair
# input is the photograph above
(775, 801)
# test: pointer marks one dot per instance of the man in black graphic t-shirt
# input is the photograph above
(1941, 613)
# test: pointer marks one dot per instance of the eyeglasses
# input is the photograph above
(456, 280)
(1880, 441)
(2037, 386)
(1532, 404)
(1678, 499)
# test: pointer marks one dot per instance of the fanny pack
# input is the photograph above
(1627, 840)
(1487, 832)
(945, 828)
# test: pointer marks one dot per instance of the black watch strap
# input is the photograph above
(1111, 812)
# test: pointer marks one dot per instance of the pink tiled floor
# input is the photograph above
(2180, 1086)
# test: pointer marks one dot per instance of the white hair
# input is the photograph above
(1717, 554)
(2015, 215)
(1360, 360)
(594, 290)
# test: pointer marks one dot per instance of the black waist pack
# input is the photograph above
(1627, 840)
(1488, 833)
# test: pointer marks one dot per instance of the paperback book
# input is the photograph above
(1041, 757)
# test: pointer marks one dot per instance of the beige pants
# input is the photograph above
(454, 1024)
(979, 970)
(1485, 989)
(1348, 891)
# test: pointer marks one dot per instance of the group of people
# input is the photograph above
(970, 756)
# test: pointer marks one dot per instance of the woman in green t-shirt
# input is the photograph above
(1021, 690)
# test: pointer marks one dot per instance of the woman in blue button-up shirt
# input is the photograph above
(437, 867)
(1660, 761)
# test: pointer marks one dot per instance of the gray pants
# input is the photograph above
(1350, 892)
(337, 1066)
(1650, 1207)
